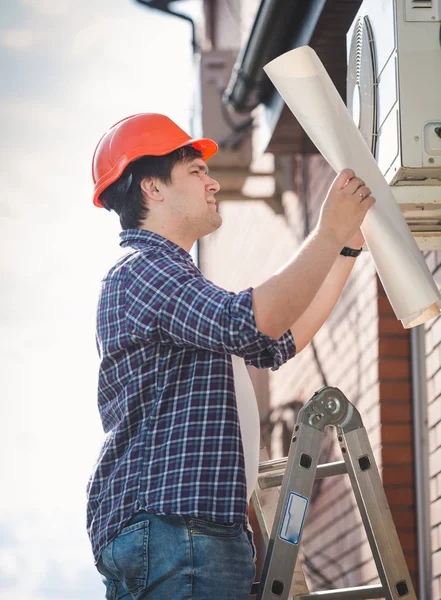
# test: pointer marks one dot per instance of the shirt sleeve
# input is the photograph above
(172, 303)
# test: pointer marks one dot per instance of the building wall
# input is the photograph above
(361, 349)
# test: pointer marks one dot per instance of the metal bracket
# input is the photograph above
(329, 406)
(421, 207)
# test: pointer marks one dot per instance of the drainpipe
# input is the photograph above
(279, 26)
(421, 456)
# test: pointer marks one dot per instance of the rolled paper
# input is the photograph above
(305, 86)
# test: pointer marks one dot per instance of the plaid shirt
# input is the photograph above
(166, 391)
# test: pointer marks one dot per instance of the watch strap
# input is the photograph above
(351, 252)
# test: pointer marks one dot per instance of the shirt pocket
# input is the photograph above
(126, 557)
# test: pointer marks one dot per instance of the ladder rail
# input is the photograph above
(281, 558)
(265, 504)
(374, 510)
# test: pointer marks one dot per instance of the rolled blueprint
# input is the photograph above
(302, 81)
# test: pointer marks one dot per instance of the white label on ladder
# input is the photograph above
(292, 525)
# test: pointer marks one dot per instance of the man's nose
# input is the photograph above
(212, 185)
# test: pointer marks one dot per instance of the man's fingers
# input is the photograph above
(368, 202)
(343, 178)
(362, 192)
(354, 184)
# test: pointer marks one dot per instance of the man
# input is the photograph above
(168, 499)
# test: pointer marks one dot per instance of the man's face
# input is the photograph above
(190, 199)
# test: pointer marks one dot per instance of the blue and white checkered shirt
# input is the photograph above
(166, 396)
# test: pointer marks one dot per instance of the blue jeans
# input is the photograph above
(175, 558)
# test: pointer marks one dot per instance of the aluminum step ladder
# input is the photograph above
(284, 514)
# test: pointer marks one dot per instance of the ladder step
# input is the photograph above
(277, 464)
(356, 593)
(367, 592)
(274, 477)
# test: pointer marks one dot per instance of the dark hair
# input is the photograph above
(125, 197)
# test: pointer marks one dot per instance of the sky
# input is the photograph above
(70, 69)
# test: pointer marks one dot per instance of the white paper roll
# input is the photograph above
(302, 81)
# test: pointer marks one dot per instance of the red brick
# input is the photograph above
(398, 496)
(390, 368)
(380, 288)
(395, 390)
(389, 325)
(395, 412)
(384, 306)
(393, 346)
(411, 562)
(396, 433)
(402, 475)
(407, 540)
(397, 455)
(403, 517)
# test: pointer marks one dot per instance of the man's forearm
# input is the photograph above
(284, 298)
(318, 311)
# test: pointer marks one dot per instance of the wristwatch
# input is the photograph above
(351, 252)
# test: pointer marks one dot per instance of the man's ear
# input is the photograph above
(150, 189)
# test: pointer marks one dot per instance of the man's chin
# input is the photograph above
(214, 223)
(219, 220)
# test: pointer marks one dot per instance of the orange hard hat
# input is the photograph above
(145, 134)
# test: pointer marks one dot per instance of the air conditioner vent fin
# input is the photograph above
(358, 49)
(422, 4)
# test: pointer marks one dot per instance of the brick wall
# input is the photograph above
(361, 349)
(433, 353)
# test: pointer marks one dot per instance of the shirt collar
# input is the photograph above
(141, 239)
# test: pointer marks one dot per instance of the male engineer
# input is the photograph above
(168, 497)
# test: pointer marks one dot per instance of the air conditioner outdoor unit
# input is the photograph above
(394, 95)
